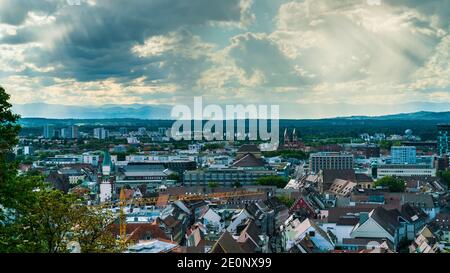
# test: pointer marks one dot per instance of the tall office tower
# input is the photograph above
(101, 133)
(65, 133)
(49, 131)
(330, 161)
(57, 133)
(442, 139)
(73, 131)
(403, 154)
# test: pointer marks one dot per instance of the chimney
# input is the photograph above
(363, 216)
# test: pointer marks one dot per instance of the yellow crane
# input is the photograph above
(122, 218)
(185, 197)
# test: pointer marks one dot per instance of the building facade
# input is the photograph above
(442, 139)
(405, 170)
(403, 155)
(330, 161)
(225, 177)
(101, 133)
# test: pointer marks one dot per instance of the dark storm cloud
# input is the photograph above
(14, 12)
(255, 53)
(94, 41)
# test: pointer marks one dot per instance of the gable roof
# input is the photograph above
(275, 204)
(226, 244)
(335, 214)
(171, 221)
(362, 177)
(249, 148)
(307, 223)
(330, 175)
(342, 187)
(387, 219)
(196, 237)
(251, 231)
(248, 160)
(140, 231)
(211, 215)
(413, 214)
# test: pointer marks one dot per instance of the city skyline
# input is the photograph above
(315, 59)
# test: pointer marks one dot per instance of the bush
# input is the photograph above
(286, 200)
(394, 184)
(274, 180)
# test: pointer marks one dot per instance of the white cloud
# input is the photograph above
(351, 51)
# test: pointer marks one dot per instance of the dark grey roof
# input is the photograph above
(388, 219)
(334, 214)
(252, 230)
(226, 244)
(248, 160)
(442, 222)
(256, 211)
(409, 212)
(249, 148)
(347, 221)
(330, 175)
(275, 204)
(361, 177)
(418, 200)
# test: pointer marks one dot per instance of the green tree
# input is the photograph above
(8, 139)
(52, 219)
(9, 128)
(237, 184)
(287, 154)
(174, 176)
(35, 218)
(212, 146)
(278, 181)
(213, 185)
(286, 200)
(393, 183)
(94, 231)
(445, 176)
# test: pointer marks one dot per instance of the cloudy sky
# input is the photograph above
(314, 58)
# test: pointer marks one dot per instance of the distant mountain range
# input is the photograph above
(422, 115)
(52, 111)
(162, 112)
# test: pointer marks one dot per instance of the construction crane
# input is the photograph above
(184, 197)
(122, 218)
(195, 197)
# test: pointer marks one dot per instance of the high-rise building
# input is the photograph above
(123, 131)
(162, 131)
(70, 132)
(73, 131)
(403, 155)
(442, 139)
(49, 131)
(330, 161)
(57, 133)
(101, 133)
(65, 133)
